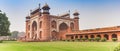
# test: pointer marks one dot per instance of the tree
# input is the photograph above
(4, 24)
(14, 35)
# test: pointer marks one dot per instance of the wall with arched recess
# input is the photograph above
(54, 35)
(36, 19)
(34, 30)
(63, 27)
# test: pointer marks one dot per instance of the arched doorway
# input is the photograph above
(81, 36)
(114, 35)
(54, 35)
(106, 36)
(76, 37)
(71, 26)
(98, 36)
(86, 36)
(53, 24)
(63, 27)
(92, 36)
(34, 30)
(72, 37)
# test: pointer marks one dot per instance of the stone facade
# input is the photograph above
(42, 26)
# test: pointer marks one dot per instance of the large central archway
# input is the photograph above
(62, 30)
(34, 30)
(63, 27)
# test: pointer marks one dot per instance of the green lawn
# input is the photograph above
(57, 46)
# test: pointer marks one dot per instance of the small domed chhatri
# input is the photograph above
(46, 7)
(76, 13)
(42, 26)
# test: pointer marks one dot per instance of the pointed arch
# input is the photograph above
(92, 36)
(114, 35)
(53, 24)
(63, 26)
(72, 26)
(106, 36)
(86, 36)
(34, 29)
(54, 35)
(98, 36)
(81, 36)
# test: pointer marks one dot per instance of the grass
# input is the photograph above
(57, 46)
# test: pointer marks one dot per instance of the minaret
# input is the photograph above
(46, 23)
(76, 20)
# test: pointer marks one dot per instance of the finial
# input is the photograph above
(76, 10)
(76, 13)
(39, 5)
(69, 11)
(46, 4)
(30, 11)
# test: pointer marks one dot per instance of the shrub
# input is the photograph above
(117, 48)
(114, 39)
(103, 39)
(77, 40)
(63, 40)
(97, 39)
(91, 39)
(84, 39)
(73, 40)
(67, 40)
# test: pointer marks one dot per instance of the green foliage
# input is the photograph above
(103, 39)
(14, 35)
(91, 39)
(4, 25)
(63, 40)
(73, 40)
(0, 41)
(78, 39)
(67, 40)
(84, 39)
(97, 39)
(117, 48)
(114, 39)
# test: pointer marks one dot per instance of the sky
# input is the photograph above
(93, 13)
